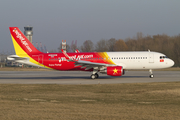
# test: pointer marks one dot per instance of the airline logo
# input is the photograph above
(23, 41)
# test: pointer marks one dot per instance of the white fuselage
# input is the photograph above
(140, 60)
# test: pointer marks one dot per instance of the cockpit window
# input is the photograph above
(163, 57)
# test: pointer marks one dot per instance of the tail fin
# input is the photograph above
(21, 44)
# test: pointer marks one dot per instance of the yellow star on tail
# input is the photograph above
(115, 70)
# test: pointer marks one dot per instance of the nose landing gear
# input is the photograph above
(151, 74)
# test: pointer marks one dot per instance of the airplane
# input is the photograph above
(110, 63)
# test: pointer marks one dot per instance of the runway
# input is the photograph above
(76, 77)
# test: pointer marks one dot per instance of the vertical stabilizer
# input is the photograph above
(21, 44)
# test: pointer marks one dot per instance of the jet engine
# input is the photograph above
(114, 71)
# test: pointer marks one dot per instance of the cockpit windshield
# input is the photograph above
(163, 57)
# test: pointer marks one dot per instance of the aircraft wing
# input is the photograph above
(86, 64)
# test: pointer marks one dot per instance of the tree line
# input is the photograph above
(169, 45)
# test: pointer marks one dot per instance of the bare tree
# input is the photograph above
(111, 44)
(102, 46)
(73, 47)
(87, 46)
(139, 35)
(120, 45)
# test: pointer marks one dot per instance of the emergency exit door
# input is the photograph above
(151, 58)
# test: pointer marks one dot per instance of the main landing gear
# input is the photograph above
(151, 74)
(95, 73)
(94, 76)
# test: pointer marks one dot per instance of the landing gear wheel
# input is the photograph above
(96, 75)
(93, 76)
(151, 76)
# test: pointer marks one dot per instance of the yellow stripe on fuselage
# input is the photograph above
(104, 54)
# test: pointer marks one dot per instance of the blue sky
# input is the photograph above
(57, 20)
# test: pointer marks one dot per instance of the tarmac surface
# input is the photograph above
(77, 77)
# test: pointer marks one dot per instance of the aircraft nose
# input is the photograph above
(171, 62)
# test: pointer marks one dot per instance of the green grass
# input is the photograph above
(146, 101)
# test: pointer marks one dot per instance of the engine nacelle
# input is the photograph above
(115, 70)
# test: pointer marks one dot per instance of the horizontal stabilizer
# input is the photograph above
(17, 58)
